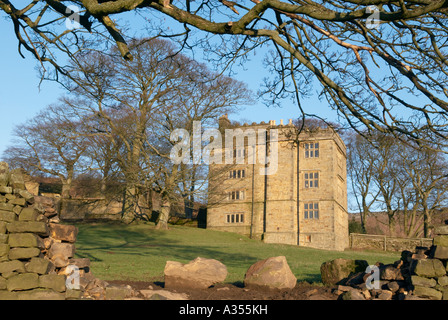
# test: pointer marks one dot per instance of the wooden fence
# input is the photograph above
(386, 243)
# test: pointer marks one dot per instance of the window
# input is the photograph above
(235, 218)
(311, 210)
(236, 195)
(237, 174)
(239, 152)
(311, 179)
(312, 150)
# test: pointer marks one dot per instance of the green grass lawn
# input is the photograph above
(139, 252)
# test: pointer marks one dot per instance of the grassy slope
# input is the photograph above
(139, 252)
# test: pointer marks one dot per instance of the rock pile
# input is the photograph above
(429, 270)
(36, 252)
(25, 271)
(421, 274)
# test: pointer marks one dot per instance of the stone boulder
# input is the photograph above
(352, 295)
(336, 271)
(60, 253)
(430, 268)
(63, 232)
(428, 293)
(119, 292)
(199, 273)
(272, 273)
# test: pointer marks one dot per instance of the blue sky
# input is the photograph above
(21, 98)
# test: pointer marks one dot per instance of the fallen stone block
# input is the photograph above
(393, 286)
(334, 271)
(119, 292)
(273, 273)
(385, 295)
(61, 249)
(198, 273)
(80, 262)
(353, 295)
(50, 212)
(63, 232)
(60, 261)
(389, 272)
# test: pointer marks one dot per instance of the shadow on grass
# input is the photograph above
(94, 242)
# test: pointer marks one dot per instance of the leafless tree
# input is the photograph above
(371, 59)
(426, 173)
(360, 170)
(133, 104)
(407, 182)
(52, 142)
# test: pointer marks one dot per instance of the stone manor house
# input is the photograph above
(302, 201)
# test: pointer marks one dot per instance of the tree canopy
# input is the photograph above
(381, 64)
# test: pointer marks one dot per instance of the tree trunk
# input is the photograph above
(103, 187)
(363, 215)
(426, 221)
(66, 186)
(65, 192)
(189, 205)
(164, 216)
(129, 204)
(165, 211)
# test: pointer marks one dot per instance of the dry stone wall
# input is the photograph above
(430, 272)
(419, 274)
(36, 251)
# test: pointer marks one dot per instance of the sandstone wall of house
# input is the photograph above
(273, 206)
